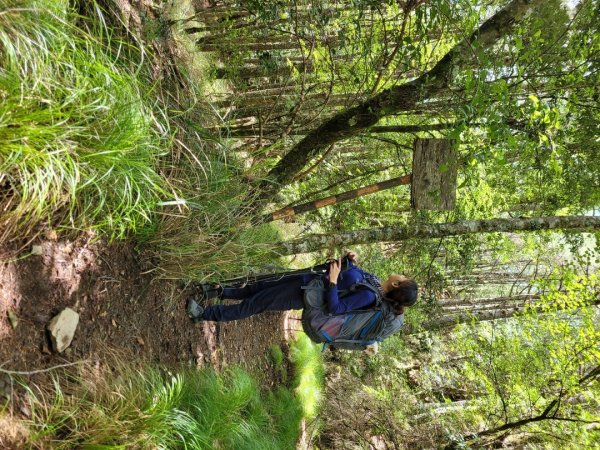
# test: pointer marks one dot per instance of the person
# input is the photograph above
(286, 293)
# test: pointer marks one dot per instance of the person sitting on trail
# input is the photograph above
(286, 293)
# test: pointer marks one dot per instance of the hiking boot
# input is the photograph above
(194, 310)
(208, 291)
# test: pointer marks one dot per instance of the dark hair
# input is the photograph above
(403, 295)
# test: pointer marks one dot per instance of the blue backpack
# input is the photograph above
(352, 330)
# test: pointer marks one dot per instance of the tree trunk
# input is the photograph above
(249, 132)
(291, 211)
(484, 280)
(474, 303)
(355, 120)
(480, 315)
(411, 128)
(315, 242)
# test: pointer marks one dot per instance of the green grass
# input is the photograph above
(309, 374)
(149, 408)
(79, 139)
(119, 405)
(87, 141)
(209, 231)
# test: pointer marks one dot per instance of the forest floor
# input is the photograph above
(122, 310)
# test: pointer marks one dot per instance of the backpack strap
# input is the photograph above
(357, 286)
(341, 292)
(314, 293)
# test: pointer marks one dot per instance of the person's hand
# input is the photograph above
(351, 256)
(335, 267)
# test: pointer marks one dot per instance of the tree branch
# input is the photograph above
(355, 120)
(33, 372)
(547, 414)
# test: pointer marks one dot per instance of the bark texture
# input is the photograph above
(434, 174)
(353, 121)
(315, 242)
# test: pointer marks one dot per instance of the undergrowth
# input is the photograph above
(309, 373)
(150, 408)
(146, 407)
(209, 232)
(80, 138)
(98, 133)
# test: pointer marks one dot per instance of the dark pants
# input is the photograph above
(279, 295)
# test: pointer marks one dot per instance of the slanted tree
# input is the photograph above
(403, 97)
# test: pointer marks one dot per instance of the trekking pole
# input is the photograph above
(320, 269)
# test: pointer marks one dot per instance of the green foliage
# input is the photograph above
(149, 408)
(211, 236)
(278, 361)
(95, 145)
(523, 110)
(129, 406)
(438, 390)
(370, 395)
(535, 94)
(308, 377)
(530, 372)
(80, 137)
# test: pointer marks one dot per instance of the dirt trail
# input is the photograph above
(121, 308)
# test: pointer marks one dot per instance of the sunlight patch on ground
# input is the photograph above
(13, 433)
(209, 330)
(292, 324)
(66, 263)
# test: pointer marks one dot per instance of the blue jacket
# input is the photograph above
(362, 298)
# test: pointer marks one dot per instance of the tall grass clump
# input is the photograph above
(209, 231)
(79, 140)
(151, 408)
(309, 374)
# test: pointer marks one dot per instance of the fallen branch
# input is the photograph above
(33, 372)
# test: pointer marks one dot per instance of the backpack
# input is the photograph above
(352, 330)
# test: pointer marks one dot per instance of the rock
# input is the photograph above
(62, 328)
(37, 250)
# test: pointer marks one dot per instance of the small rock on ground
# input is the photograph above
(62, 329)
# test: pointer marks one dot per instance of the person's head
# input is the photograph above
(400, 291)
